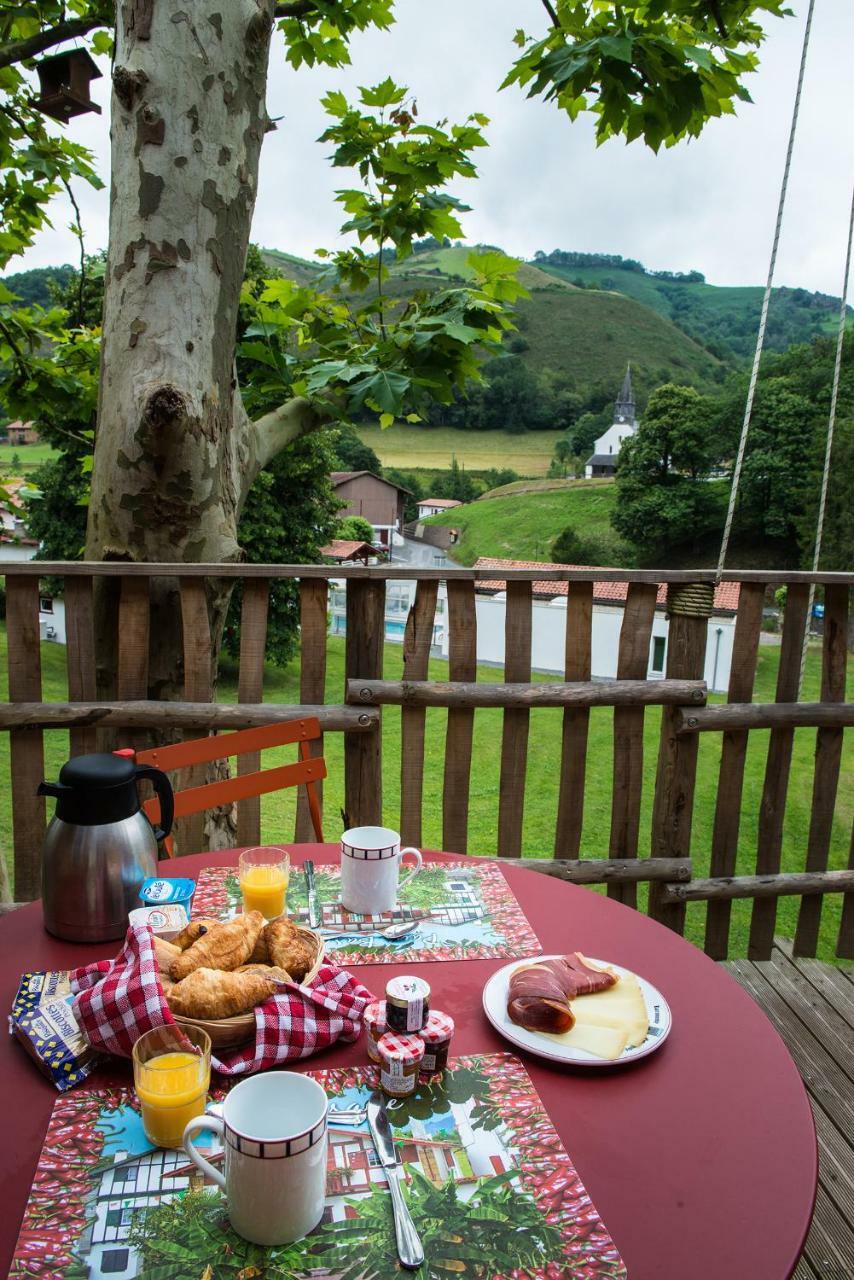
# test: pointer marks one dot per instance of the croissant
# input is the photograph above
(224, 946)
(212, 993)
(164, 953)
(289, 948)
(192, 932)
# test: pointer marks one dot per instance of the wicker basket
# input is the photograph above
(230, 1033)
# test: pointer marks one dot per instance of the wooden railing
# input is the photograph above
(662, 859)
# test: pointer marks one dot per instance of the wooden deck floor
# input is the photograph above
(812, 1006)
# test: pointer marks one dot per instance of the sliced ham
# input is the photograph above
(540, 993)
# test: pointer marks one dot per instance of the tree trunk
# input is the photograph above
(175, 452)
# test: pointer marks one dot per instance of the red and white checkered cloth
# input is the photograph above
(118, 1000)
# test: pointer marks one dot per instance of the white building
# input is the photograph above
(603, 459)
(435, 506)
(548, 639)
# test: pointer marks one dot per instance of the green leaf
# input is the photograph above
(386, 420)
(383, 94)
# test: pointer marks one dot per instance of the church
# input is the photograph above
(603, 459)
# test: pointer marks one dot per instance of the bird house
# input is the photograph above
(64, 83)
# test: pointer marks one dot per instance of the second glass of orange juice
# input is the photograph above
(264, 877)
(171, 1074)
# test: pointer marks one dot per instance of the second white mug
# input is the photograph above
(371, 858)
(273, 1129)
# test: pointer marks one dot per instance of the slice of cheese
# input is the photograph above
(608, 1022)
(602, 1042)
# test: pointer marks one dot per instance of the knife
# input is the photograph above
(313, 910)
(409, 1248)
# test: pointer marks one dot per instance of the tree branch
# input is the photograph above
(552, 12)
(294, 8)
(279, 428)
(19, 50)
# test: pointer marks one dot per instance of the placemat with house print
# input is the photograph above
(465, 911)
(490, 1187)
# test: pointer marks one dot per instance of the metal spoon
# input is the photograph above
(391, 934)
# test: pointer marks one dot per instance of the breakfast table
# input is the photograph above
(700, 1158)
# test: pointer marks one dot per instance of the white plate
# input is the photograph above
(495, 1007)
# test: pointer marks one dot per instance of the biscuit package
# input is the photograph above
(43, 1020)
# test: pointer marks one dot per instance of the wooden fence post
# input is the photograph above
(250, 688)
(518, 622)
(198, 687)
(313, 599)
(80, 656)
(745, 650)
(363, 802)
(632, 664)
(689, 608)
(576, 721)
(26, 746)
(462, 665)
(772, 808)
(828, 757)
(417, 640)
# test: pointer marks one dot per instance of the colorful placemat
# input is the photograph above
(465, 911)
(491, 1189)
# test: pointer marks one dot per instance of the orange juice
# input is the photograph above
(264, 889)
(172, 1088)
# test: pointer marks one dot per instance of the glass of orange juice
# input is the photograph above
(264, 875)
(171, 1074)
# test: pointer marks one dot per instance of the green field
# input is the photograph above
(542, 778)
(29, 457)
(432, 448)
(523, 526)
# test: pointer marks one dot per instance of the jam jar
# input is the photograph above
(407, 1004)
(436, 1034)
(400, 1062)
(375, 1028)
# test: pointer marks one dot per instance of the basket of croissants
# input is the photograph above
(215, 972)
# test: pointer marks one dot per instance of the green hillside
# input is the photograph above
(523, 526)
(724, 317)
(432, 448)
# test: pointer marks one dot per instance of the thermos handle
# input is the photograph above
(165, 795)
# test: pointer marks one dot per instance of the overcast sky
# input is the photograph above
(543, 184)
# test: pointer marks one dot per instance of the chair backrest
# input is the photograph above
(308, 770)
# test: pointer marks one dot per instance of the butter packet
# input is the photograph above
(43, 1021)
(166, 921)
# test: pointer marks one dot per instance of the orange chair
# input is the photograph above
(307, 771)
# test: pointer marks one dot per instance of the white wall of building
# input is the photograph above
(612, 439)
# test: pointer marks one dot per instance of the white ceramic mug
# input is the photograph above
(370, 869)
(273, 1129)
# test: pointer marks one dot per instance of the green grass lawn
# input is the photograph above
(29, 457)
(523, 526)
(281, 685)
(432, 448)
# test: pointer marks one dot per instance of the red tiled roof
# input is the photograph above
(343, 549)
(726, 594)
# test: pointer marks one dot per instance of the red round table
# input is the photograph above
(700, 1158)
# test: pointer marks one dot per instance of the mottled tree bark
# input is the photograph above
(175, 452)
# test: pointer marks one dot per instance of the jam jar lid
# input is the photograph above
(438, 1027)
(374, 1015)
(405, 1049)
(402, 991)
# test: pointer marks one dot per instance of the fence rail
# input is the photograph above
(663, 857)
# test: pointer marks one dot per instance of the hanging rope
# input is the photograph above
(763, 317)
(828, 448)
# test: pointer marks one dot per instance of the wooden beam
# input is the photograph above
(314, 604)
(417, 640)
(80, 656)
(26, 747)
(181, 715)
(198, 687)
(773, 886)
(250, 688)
(611, 870)
(120, 569)
(576, 720)
(766, 715)
(462, 666)
(468, 694)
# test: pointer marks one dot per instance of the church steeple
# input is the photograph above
(624, 407)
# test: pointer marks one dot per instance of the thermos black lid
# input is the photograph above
(95, 789)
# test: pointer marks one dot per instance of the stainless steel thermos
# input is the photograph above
(100, 846)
